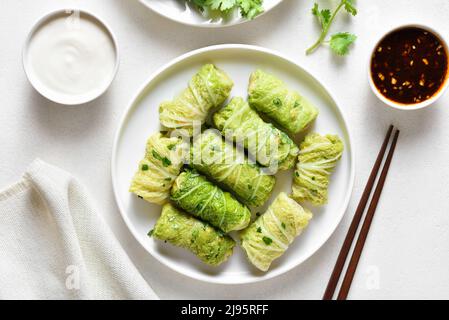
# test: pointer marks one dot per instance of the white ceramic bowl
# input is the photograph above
(62, 98)
(402, 106)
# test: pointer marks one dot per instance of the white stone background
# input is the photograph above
(408, 247)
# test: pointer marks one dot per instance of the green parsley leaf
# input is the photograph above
(150, 234)
(323, 16)
(259, 230)
(145, 167)
(249, 9)
(350, 7)
(283, 225)
(316, 9)
(326, 16)
(222, 5)
(340, 42)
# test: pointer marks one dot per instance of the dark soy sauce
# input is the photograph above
(409, 65)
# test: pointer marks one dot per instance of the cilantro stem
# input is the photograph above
(325, 30)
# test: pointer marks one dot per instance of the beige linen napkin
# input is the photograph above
(54, 244)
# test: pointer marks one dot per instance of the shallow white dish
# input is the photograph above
(141, 120)
(70, 16)
(183, 12)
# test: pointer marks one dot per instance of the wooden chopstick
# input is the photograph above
(350, 272)
(333, 281)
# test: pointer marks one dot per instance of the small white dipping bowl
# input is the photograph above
(402, 106)
(63, 97)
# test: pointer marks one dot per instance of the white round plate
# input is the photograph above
(186, 13)
(141, 120)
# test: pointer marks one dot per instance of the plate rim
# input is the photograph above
(208, 24)
(137, 95)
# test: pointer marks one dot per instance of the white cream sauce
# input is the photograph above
(72, 56)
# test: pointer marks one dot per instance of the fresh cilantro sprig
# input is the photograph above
(339, 42)
(249, 9)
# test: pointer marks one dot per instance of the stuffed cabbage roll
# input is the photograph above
(158, 170)
(224, 163)
(317, 159)
(270, 146)
(200, 197)
(271, 97)
(267, 238)
(180, 229)
(208, 89)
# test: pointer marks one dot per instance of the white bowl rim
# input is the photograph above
(208, 25)
(48, 16)
(272, 274)
(416, 106)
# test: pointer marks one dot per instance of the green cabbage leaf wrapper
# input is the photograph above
(208, 89)
(200, 197)
(158, 170)
(180, 229)
(267, 238)
(271, 97)
(270, 146)
(317, 159)
(227, 165)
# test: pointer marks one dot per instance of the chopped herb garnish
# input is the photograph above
(250, 187)
(171, 146)
(156, 155)
(297, 174)
(167, 179)
(145, 167)
(150, 234)
(277, 102)
(165, 161)
(259, 230)
(313, 178)
(267, 240)
(283, 225)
